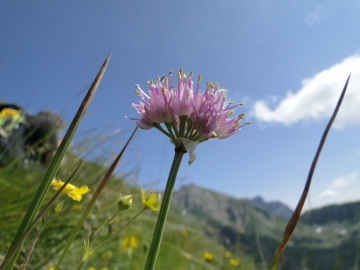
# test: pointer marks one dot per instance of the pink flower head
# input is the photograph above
(185, 112)
(154, 108)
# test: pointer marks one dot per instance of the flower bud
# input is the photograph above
(151, 199)
(56, 208)
(124, 202)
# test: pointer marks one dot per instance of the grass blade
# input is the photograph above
(97, 192)
(55, 163)
(295, 216)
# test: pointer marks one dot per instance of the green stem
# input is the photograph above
(31, 249)
(115, 234)
(111, 238)
(159, 127)
(16, 246)
(172, 136)
(81, 265)
(274, 262)
(92, 201)
(182, 125)
(105, 224)
(53, 167)
(160, 224)
(175, 127)
(196, 137)
(190, 128)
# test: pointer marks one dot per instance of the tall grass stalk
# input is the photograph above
(97, 192)
(295, 216)
(54, 165)
(12, 251)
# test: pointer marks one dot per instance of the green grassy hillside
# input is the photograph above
(185, 246)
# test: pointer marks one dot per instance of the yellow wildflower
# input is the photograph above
(129, 242)
(151, 199)
(91, 268)
(107, 255)
(234, 262)
(77, 207)
(9, 119)
(51, 268)
(208, 256)
(72, 191)
(185, 233)
(227, 254)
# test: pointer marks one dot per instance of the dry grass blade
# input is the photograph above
(96, 194)
(295, 216)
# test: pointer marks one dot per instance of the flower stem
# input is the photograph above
(96, 194)
(93, 251)
(165, 205)
(159, 127)
(117, 232)
(182, 125)
(172, 136)
(105, 224)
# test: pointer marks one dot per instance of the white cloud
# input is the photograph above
(338, 183)
(327, 193)
(344, 180)
(317, 98)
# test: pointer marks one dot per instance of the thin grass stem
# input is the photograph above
(93, 199)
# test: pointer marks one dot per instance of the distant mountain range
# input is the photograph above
(325, 238)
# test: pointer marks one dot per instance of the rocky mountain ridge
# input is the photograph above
(328, 234)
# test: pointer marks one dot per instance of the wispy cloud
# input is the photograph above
(314, 16)
(317, 98)
(338, 183)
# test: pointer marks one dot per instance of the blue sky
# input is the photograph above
(286, 60)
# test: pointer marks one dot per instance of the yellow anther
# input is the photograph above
(212, 94)
(199, 78)
(190, 75)
(163, 90)
(165, 79)
(217, 85)
(179, 75)
(237, 124)
(137, 92)
(241, 115)
(230, 112)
